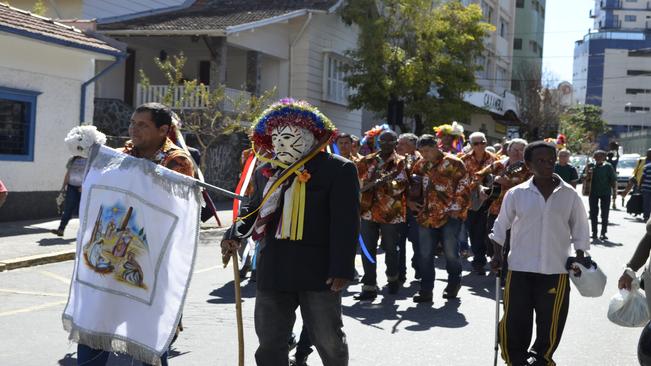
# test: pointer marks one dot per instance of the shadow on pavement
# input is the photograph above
(116, 359)
(55, 241)
(226, 293)
(605, 243)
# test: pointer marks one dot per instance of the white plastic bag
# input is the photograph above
(591, 282)
(629, 308)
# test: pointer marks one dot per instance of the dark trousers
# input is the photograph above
(390, 236)
(408, 230)
(70, 205)
(429, 237)
(597, 202)
(525, 293)
(87, 356)
(304, 345)
(646, 204)
(476, 223)
(275, 313)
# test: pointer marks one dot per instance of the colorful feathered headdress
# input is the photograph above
(454, 129)
(290, 112)
(371, 140)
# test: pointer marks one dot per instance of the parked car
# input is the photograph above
(625, 167)
(579, 162)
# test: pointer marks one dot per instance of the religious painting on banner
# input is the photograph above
(135, 253)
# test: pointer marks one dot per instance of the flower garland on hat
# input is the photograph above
(290, 112)
(454, 129)
(371, 141)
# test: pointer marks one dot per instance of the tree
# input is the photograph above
(419, 52)
(540, 108)
(39, 8)
(581, 125)
(208, 123)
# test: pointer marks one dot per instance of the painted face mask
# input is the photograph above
(290, 143)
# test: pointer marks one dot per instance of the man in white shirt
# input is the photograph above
(546, 216)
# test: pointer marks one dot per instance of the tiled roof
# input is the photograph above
(206, 15)
(30, 25)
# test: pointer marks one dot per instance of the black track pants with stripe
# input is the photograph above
(524, 293)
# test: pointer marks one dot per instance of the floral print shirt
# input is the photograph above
(169, 155)
(473, 166)
(499, 168)
(385, 203)
(445, 186)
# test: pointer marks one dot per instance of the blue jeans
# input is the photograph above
(275, 313)
(408, 230)
(70, 206)
(390, 236)
(646, 204)
(448, 234)
(87, 356)
(463, 237)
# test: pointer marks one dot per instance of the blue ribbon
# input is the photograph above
(335, 149)
(365, 251)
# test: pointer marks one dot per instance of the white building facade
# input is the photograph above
(41, 80)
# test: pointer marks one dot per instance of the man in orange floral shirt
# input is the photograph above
(508, 173)
(445, 203)
(383, 181)
(475, 161)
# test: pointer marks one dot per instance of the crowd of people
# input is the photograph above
(440, 191)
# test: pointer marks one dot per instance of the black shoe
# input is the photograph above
(57, 232)
(451, 292)
(594, 236)
(423, 297)
(603, 237)
(298, 361)
(394, 287)
(366, 296)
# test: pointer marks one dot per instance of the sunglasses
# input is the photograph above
(476, 143)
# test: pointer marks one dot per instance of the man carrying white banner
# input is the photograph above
(136, 245)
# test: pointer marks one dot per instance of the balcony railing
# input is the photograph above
(183, 100)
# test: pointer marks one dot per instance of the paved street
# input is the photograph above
(389, 331)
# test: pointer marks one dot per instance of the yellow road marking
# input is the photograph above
(206, 269)
(20, 292)
(33, 308)
(65, 280)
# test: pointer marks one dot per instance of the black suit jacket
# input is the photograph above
(330, 234)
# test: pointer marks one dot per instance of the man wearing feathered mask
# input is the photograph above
(305, 208)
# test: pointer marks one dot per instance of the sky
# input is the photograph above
(566, 21)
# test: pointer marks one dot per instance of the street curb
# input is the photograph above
(66, 255)
(34, 260)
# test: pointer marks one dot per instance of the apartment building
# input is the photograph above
(527, 41)
(612, 66)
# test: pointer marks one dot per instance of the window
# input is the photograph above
(630, 18)
(634, 109)
(631, 1)
(638, 72)
(504, 28)
(534, 46)
(519, 3)
(335, 88)
(517, 43)
(17, 124)
(487, 10)
(638, 91)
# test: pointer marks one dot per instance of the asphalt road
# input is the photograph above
(390, 331)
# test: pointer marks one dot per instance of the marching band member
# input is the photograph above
(383, 181)
(441, 209)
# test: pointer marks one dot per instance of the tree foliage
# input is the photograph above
(209, 122)
(39, 8)
(421, 52)
(581, 124)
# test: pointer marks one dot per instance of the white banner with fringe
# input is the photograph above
(136, 245)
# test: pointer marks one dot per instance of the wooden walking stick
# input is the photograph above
(238, 310)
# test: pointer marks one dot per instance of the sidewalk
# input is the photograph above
(30, 243)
